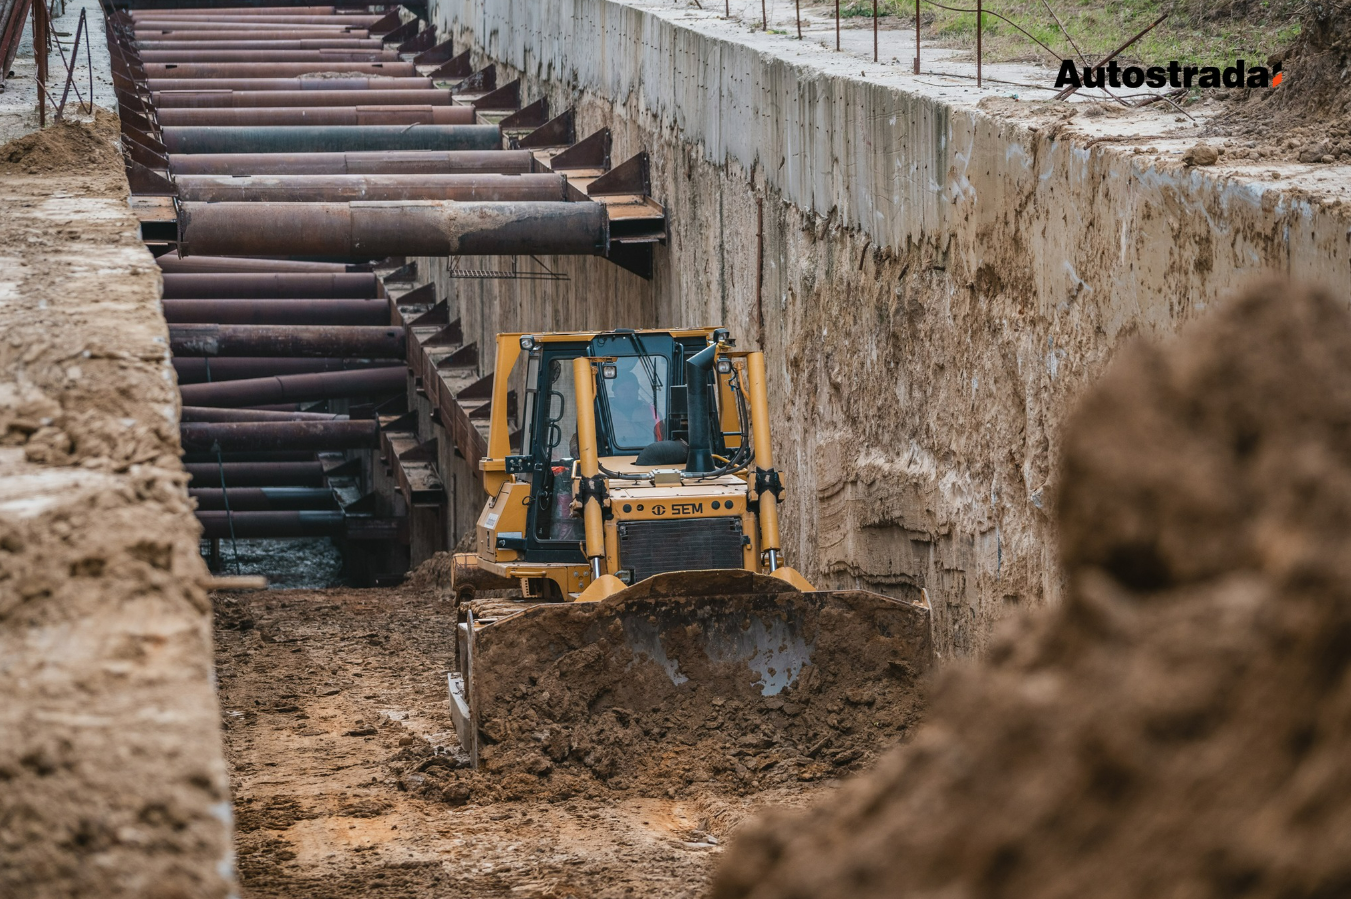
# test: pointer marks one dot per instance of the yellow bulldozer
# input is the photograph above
(629, 550)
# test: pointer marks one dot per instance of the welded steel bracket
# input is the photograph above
(437, 55)
(455, 67)
(560, 131)
(508, 96)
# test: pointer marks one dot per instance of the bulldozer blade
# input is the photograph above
(731, 635)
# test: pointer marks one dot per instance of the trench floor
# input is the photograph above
(326, 694)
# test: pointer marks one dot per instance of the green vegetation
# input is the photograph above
(1199, 32)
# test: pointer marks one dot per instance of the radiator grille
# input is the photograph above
(654, 547)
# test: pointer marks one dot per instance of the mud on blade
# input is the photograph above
(655, 663)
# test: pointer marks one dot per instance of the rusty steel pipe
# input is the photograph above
(337, 54)
(170, 17)
(315, 116)
(369, 312)
(274, 69)
(318, 85)
(344, 188)
(201, 370)
(418, 228)
(262, 499)
(296, 388)
(240, 11)
(319, 436)
(273, 525)
(405, 162)
(257, 474)
(215, 99)
(301, 43)
(172, 262)
(234, 34)
(269, 285)
(339, 138)
(209, 413)
(287, 340)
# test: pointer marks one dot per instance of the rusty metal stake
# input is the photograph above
(797, 12)
(980, 25)
(41, 28)
(837, 26)
(875, 31)
(764, 16)
(916, 37)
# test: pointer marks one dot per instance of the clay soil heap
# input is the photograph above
(1180, 725)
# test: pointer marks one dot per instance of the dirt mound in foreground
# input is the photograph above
(1180, 725)
(1309, 113)
(82, 150)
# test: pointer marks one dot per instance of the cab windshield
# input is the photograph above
(636, 398)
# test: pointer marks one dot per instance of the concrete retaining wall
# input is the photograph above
(934, 281)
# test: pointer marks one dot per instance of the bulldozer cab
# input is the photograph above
(640, 410)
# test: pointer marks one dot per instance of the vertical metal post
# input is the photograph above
(797, 12)
(40, 50)
(837, 25)
(727, 8)
(874, 30)
(980, 26)
(89, 57)
(764, 16)
(916, 37)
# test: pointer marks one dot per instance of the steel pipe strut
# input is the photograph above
(172, 17)
(182, 29)
(316, 85)
(208, 413)
(286, 340)
(435, 228)
(262, 499)
(243, 43)
(296, 388)
(301, 116)
(216, 99)
(256, 474)
(319, 436)
(172, 262)
(236, 11)
(346, 188)
(211, 35)
(407, 162)
(335, 54)
(269, 285)
(340, 138)
(201, 370)
(254, 525)
(372, 312)
(273, 69)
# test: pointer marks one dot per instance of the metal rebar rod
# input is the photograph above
(332, 138)
(916, 37)
(875, 31)
(413, 228)
(286, 340)
(980, 28)
(344, 188)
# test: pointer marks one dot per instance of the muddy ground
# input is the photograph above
(332, 701)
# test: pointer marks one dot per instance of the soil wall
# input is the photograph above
(934, 279)
(112, 776)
